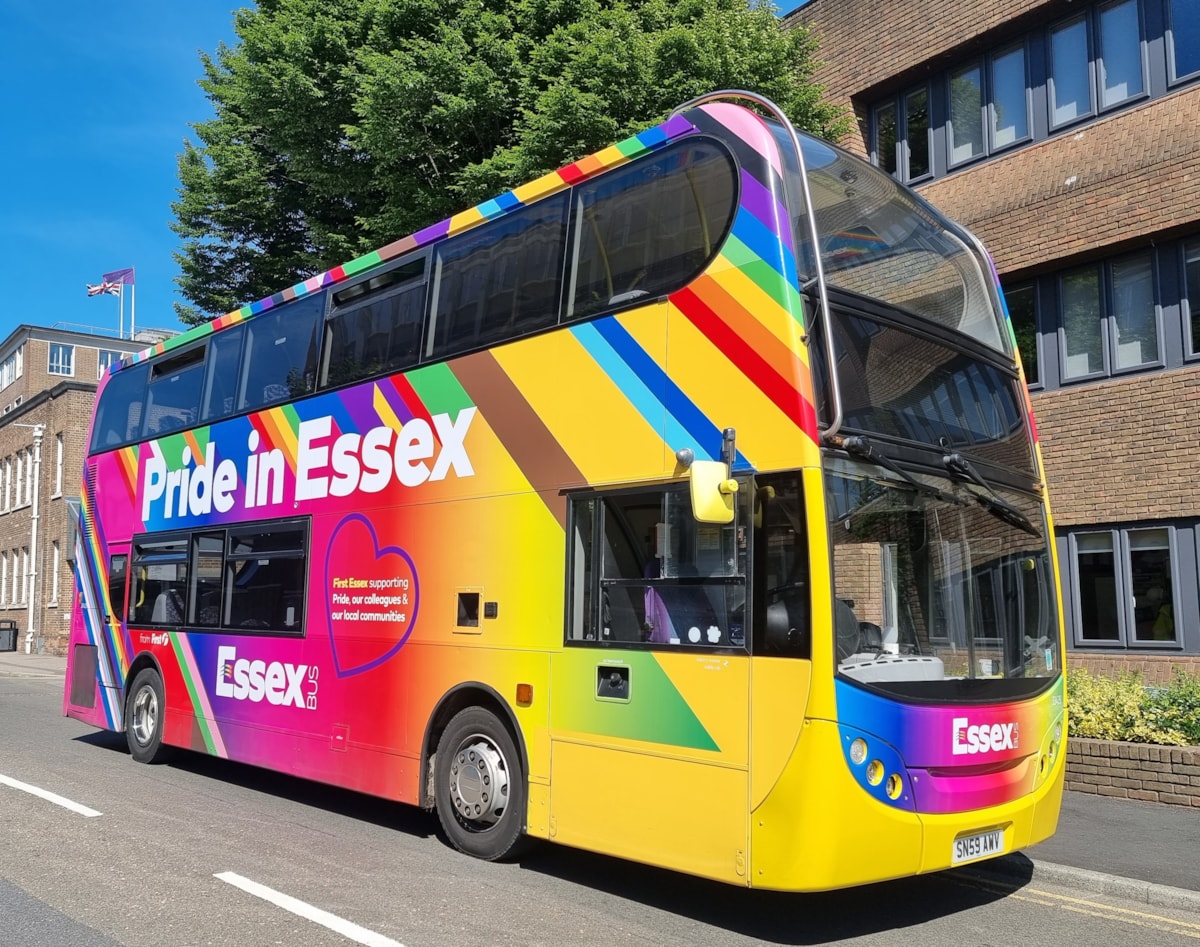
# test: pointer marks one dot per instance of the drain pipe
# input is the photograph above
(31, 576)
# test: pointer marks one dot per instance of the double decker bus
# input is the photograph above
(683, 505)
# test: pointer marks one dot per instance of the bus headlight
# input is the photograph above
(874, 772)
(858, 751)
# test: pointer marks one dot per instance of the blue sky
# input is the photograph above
(99, 100)
(100, 97)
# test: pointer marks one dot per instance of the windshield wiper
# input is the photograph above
(858, 446)
(1001, 509)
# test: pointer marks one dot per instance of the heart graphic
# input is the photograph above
(370, 597)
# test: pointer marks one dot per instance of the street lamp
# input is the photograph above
(31, 577)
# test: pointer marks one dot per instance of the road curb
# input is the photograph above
(1098, 882)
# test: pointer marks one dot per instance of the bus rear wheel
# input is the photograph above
(479, 787)
(144, 708)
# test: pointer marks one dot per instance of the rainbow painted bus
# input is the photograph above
(683, 505)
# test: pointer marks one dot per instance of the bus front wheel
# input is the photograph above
(479, 787)
(144, 717)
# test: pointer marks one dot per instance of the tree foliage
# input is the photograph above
(340, 125)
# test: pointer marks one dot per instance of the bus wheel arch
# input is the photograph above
(145, 711)
(476, 773)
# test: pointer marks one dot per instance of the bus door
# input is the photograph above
(96, 672)
(650, 713)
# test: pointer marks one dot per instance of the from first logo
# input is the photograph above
(278, 682)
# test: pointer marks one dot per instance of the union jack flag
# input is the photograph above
(113, 289)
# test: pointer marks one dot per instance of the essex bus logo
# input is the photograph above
(280, 683)
(984, 738)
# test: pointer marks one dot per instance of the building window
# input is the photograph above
(1009, 108)
(1070, 78)
(1184, 39)
(1022, 312)
(966, 114)
(1125, 586)
(55, 566)
(1107, 55)
(1109, 317)
(3, 577)
(1191, 294)
(10, 368)
(58, 465)
(24, 575)
(62, 359)
(20, 478)
(7, 487)
(1083, 346)
(902, 135)
(105, 358)
(1119, 57)
(28, 476)
(1134, 316)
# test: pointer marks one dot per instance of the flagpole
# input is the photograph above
(121, 311)
(132, 308)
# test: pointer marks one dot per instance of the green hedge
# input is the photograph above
(1124, 708)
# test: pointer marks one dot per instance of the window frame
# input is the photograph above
(1169, 38)
(1123, 589)
(1099, 72)
(62, 348)
(189, 540)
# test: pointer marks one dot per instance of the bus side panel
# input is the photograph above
(655, 771)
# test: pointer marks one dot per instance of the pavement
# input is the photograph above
(1140, 851)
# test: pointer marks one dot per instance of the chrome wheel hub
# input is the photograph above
(479, 782)
(145, 715)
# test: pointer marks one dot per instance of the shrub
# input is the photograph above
(1121, 708)
(1177, 706)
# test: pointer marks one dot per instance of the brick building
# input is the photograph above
(1063, 134)
(47, 388)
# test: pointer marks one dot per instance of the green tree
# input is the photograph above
(340, 125)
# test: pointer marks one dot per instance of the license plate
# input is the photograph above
(983, 845)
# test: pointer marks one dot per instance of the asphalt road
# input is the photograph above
(204, 852)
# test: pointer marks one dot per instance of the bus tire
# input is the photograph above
(144, 717)
(479, 787)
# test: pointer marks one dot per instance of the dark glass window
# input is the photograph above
(1070, 75)
(159, 589)
(644, 571)
(173, 398)
(1134, 319)
(279, 359)
(117, 574)
(375, 326)
(1191, 294)
(1022, 310)
(885, 137)
(204, 604)
(499, 281)
(966, 114)
(1010, 100)
(224, 368)
(119, 414)
(1126, 587)
(264, 577)
(916, 115)
(649, 228)
(1083, 344)
(1120, 53)
(1185, 39)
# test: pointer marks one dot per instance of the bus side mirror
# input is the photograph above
(713, 491)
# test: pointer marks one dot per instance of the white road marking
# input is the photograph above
(49, 797)
(341, 926)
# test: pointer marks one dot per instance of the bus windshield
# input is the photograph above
(939, 585)
(882, 241)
